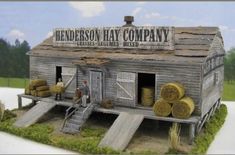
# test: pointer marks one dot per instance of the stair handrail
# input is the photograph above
(67, 114)
(87, 108)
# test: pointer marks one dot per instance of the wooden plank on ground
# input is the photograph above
(122, 130)
(34, 114)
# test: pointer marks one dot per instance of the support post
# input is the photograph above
(19, 101)
(191, 133)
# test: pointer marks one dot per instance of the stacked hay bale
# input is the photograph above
(147, 96)
(38, 87)
(173, 101)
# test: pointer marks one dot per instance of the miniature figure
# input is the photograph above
(85, 93)
(59, 84)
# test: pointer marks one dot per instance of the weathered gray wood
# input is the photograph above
(191, 53)
(149, 114)
(19, 102)
(34, 114)
(122, 130)
(96, 86)
(191, 133)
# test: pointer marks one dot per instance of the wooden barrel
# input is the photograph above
(147, 96)
(183, 108)
(162, 108)
(172, 91)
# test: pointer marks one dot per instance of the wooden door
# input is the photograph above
(67, 74)
(96, 86)
(126, 88)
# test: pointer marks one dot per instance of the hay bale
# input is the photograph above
(147, 96)
(42, 88)
(33, 92)
(162, 108)
(31, 87)
(106, 103)
(183, 108)
(2, 110)
(57, 89)
(45, 93)
(38, 82)
(27, 90)
(172, 91)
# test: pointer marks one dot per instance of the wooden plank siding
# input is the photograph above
(212, 86)
(187, 74)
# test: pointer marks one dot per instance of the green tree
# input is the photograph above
(13, 61)
(229, 65)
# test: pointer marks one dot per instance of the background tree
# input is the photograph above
(229, 65)
(13, 61)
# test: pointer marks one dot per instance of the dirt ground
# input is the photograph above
(151, 136)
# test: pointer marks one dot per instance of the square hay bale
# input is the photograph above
(42, 88)
(45, 93)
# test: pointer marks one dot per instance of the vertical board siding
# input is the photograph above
(187, 74)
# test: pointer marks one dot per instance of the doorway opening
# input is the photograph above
(146, 88)
(58, 73)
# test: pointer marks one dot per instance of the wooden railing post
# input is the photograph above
(19, 101)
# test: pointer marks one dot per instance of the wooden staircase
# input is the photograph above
(74, 120)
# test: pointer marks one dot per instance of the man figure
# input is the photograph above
(61, 85)
(85, 93)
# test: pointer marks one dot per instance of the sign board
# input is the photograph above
(143, 37)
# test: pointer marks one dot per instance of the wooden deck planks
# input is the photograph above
(34, 114)
(122, 130)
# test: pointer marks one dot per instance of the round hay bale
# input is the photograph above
(45, 93)
(42, 88)
(57, 89)
(27, 90)
(162, 108)
(183, 108)
(106, 103)
(172, 91)
(38, 82)
(147, 96)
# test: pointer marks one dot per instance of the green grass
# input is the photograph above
(229, 91)
(87, 142)
(13, 82)
(203, 141)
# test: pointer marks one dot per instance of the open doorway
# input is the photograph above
(145, 80)
(58, 73)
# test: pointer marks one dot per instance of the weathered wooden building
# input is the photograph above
(117, 69)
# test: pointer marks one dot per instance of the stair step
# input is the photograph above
(76, 117)
(70, 130)
(72, 125)
(76, 121)
(78, 113)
